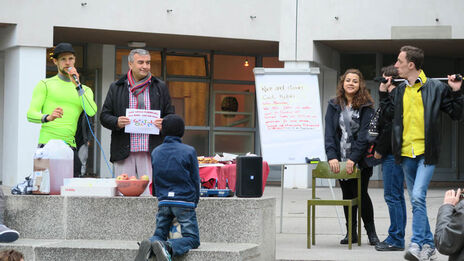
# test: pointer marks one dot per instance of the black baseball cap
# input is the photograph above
(63, 48)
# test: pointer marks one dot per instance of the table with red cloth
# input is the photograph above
(209, 175)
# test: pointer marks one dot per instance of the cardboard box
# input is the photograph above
(88, 191)
(89, 187)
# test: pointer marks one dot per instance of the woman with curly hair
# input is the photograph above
(346, 125)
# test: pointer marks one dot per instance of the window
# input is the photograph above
(234, 142)
(198, 139)
(231, 67)
(191, 101)
(234, 105)
(183, 65)
(218, 109)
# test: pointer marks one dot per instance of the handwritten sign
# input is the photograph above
(142, 121)
(285, 107)
(289, 114)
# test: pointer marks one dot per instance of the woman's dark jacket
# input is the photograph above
(333, 132)
(116, 103)
(436, 97)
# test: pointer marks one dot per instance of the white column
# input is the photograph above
(24, 68)
(297, 65)
(2, 86)
(288, 30)
(108, 75)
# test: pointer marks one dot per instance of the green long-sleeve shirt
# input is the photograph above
(51, 93)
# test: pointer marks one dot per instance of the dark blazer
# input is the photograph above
(116, 103)
(333, 132)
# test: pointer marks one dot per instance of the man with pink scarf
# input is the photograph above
(138, 89)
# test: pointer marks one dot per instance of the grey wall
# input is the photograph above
(228, 19)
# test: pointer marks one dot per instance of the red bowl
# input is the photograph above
(131, 188)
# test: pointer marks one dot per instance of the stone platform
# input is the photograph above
(96, 228)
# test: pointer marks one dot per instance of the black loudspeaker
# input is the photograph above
(249, 177)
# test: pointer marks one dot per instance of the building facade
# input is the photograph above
(206, 51)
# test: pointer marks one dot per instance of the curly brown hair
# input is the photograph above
(360, 98)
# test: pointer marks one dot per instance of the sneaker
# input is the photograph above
(413, 252)
(385, 246)
(161, 252)
(8, 235)
(144, 252)
(428, 253)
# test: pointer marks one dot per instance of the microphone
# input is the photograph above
(74, 77)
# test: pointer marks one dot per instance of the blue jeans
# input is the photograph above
(393, 194)
(187, 218)
(418, 178)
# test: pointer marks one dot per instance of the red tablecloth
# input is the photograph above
(227, 173)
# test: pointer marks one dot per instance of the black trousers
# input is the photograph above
(350, 191)
(77, 163)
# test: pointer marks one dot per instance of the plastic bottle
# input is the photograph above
(61, 166)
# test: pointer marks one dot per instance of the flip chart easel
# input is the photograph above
(290, 118)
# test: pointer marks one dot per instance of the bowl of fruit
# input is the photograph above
(131, 186)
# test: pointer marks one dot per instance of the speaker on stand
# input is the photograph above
(249, 177)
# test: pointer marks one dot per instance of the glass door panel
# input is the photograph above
(183, 65)
(197, 139)
(191, 101)
(234, 109)
(233, 142)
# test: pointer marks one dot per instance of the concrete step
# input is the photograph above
(222, 220)
(117, 250)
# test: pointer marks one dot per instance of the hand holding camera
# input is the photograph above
(452, 197)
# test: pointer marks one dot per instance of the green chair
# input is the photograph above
(322, 171)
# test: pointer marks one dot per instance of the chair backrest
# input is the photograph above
(323, 171)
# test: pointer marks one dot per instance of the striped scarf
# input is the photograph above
(139, 87)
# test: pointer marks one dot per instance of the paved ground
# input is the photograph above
(291, 243)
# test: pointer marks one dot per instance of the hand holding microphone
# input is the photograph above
(73, 75)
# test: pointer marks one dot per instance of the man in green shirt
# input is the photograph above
(58, 101)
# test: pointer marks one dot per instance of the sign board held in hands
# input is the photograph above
(142, 121)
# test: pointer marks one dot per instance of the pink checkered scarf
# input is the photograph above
(138, 141)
